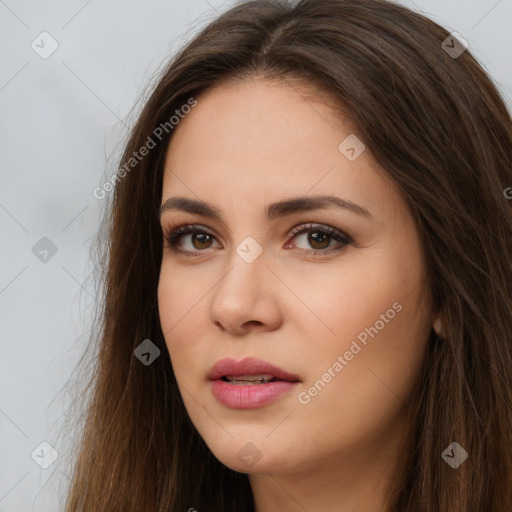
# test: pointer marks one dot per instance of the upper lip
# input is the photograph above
(248, 366)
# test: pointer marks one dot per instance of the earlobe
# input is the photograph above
(438, 325)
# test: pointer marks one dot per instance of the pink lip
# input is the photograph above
(251, 395)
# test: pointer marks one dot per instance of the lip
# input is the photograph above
(248, 366)
(251, 395)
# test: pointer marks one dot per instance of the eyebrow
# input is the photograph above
(273, 211)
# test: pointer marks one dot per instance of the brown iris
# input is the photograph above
(202, 238)
(317, 237)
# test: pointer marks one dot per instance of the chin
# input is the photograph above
(252, 458)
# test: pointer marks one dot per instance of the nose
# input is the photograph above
(246, 298)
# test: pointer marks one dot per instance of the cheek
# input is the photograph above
(337, 302)
(179, 296)
(369, 393)
(179, 304)
(379, 328)
(166, 304)
(172, 310)
(376, 377)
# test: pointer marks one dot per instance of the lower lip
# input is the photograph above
(251, 395)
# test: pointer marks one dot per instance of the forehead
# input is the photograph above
(237, 115)
(256, 141)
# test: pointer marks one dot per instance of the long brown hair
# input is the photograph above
(436, 123)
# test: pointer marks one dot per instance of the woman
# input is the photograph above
(308, 301)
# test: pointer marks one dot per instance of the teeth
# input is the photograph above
(244, 379)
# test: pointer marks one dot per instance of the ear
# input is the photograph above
(438, 325)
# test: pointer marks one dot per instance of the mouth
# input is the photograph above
(249, 371)
(250, 380)
(249, 383)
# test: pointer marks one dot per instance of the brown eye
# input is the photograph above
(318, 239)
(201, 240)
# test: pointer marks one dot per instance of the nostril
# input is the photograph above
(256, 322)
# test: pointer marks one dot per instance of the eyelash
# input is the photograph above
(173, 237)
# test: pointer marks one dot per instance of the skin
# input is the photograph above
(245, 145)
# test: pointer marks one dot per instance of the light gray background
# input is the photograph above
(61, 117)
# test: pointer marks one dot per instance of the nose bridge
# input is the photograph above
(246, 268)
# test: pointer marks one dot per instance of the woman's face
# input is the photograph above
(347, 325)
